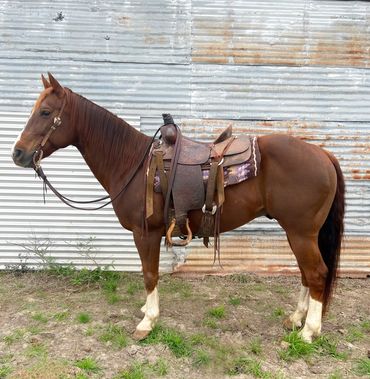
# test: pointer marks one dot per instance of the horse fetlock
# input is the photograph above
(309, 332)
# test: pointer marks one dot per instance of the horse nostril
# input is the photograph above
(17, 153)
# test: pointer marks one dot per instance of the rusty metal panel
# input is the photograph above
(280, 92)
(102, 31)
(289, 33)
(297, 67)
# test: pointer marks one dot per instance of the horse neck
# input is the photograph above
(111, 147)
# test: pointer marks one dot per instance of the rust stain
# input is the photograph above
(124, 20)
(156, 40)
(268, 254)
(334, 44)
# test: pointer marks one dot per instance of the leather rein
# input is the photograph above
(38, 154)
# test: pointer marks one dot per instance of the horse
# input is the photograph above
(299, 184)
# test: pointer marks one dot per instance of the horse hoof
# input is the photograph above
(291, 325)
(140, 334)
(288, 324)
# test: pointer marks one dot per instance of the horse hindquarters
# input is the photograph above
(304, 192)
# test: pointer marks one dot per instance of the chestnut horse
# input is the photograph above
(299, 185)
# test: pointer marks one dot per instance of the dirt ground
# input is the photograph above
(54, 326)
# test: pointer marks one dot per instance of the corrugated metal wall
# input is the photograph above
(298, 67)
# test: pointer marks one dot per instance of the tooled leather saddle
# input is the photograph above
(192, 175)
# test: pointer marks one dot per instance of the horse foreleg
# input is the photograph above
(149, 248)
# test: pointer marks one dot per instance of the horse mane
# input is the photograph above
(112, 136)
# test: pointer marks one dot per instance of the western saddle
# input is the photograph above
(191, 176)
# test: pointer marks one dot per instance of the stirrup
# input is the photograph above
(169, 240)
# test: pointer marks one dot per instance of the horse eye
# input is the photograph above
(45, 113)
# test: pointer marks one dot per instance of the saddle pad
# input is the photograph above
(233, 174)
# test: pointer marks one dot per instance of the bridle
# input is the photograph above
(38, 154)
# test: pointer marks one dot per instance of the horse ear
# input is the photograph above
(45, 82)
(58, 89)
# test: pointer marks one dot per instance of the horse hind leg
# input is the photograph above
(295, 319)
(314, 272)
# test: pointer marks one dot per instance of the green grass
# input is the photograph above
(277, 313)
(160, 367)
(17, 335)
(240, 278)
(88, 364)
(135, 371)
(143, 370)
(297, 347)
(112, 297)
(255, 346)
(354, 334)
(300, 349)
(4, 371)
(217, 312)
(40, 317)
(175, 341)
(37, 350)
(362, 367)
(246, 365)
(114, 335)
(133, 288)
(61, 316)
(357, 333)
(234, 300)
(83, 318)
(201, 358)
(177, 286)
(210, 323)
(335, 375)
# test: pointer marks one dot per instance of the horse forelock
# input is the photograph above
(43, 95)
(105, 131)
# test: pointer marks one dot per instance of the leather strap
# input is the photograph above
(149, 188)
(162, 174)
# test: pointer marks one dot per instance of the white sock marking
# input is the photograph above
(312, 327)
(151, 309)
(302, 307)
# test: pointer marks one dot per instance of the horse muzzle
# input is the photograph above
(23, 158)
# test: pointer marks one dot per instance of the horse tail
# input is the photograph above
(331, 233)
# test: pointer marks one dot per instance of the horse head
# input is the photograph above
(48, 128)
